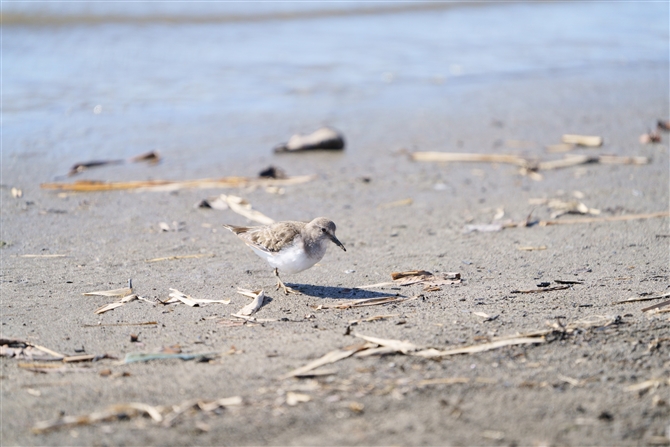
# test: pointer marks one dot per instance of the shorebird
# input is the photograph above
(289, 247)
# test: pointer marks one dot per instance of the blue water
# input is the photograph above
(94, 79)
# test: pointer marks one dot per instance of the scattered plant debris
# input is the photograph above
(152, 157)
(582, 140)
(643, 298)
(114, 305)
(293, 399)
(656, 306)
(43, 256)
(176, 296)
(24, 350)
(331, 357)
(134, 357)
(365, 302)
(397, 203)
(174, 185)
(238, 205)
(380, 346)
(543, 223)
(652, 136)
(542, 289)
(648, 384)
(167, 416)
(427, 279)
(145, 323)
(174, 258)
(527, 166)
(251, 308)
(125, 291)
(78, 168)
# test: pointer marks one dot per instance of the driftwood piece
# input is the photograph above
(173, 185)
(582, 140)
(323, 138)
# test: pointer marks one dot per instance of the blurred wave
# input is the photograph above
(64, 14)
(225, 78)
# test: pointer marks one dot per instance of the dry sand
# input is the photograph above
(570, 390)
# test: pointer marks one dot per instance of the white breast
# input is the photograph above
(292, 259)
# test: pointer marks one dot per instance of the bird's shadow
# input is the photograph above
(340, 292)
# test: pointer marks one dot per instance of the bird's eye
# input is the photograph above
(323, 230)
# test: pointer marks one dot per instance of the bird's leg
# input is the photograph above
(280, 284)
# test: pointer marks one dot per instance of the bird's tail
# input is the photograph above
(236, 230)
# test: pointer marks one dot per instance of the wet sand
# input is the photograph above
(569, 390)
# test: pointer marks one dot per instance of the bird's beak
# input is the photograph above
(337, 241)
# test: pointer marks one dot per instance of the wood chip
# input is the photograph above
(543, 223)
(593, 321)
(166, 416)
(656, 306)
(411, 273)
(373, 318)
(239, 206)
(397, 203)
(426, 278)
(114, 412)
(331, 357)
(364, 302)
(22, 349)
(409, 348)
(174, 258)
(444, 381)
(144, 323)
(152, 157)
(114, 305)
(561, 147)
(115, 292)
(484, 228)
(643, 298)
(197, 404)
(582, 140)
(177, 296)
(567, 162)
(42, 256)
(465, 157)
(293, 399)
(647, 384)
(171, 185)
(623, 217)
(653, 136)
(532, 248)
(257, 303)
(562, 207)
(433, 353)
(404, 347)
(542, 289)
(83, 166)
(528, 167)
(133, 357)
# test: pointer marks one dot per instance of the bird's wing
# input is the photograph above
(272, 238)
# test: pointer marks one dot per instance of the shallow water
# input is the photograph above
(226, 80)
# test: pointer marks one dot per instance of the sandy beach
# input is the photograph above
(593, 372)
